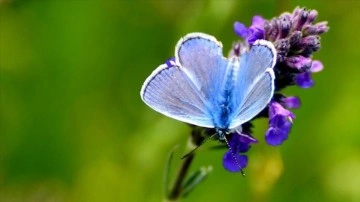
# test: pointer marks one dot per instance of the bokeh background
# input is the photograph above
(73, 126)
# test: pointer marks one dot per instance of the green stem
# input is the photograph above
(176, 192)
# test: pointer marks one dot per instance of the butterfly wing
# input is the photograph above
(200, 56)
(182, 91)
(254, 84)
(169, 91)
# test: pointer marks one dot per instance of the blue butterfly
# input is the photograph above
(203, 88)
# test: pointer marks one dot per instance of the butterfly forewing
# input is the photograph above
(200, 57)
(169, 91)
(188, 90)
(254, 85)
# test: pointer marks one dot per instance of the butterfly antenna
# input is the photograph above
(192, 151)
(233, 155)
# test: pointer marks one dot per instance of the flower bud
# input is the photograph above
(299, 62)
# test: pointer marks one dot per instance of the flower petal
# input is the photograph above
(258, 21)
(255, 34)
(304, 80)
(316, 66)
(247, 139)
(241, 30)
(292, 102)
(276, 108)
(230, 164)
(243, 147)
(276, 136)
(170, 62)
(299, 62)
(277, 121)
(241, 142)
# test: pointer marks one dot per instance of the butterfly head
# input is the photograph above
(221, 133)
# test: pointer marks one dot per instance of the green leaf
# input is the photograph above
(195, 178)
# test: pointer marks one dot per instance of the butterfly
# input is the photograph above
(203, 88)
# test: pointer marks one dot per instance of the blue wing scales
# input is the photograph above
(254, 83)
(201, 58)
(170, 92)
(186, 90)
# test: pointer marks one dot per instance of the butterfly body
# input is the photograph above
(203, 88)
(222, 108)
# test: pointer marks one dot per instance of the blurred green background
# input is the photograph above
(73, 126)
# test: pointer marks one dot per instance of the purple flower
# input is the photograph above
(318, 28)
(239, 143)
(291, 102)
(230, 164)
(296, 36)
(304, 80)
(170, 62)
(280, 122)
(278, 131)
(276, 108)
(298, 62)
(254, 32)
(316, 66)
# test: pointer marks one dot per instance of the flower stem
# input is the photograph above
(175, 194)
(176, 191)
